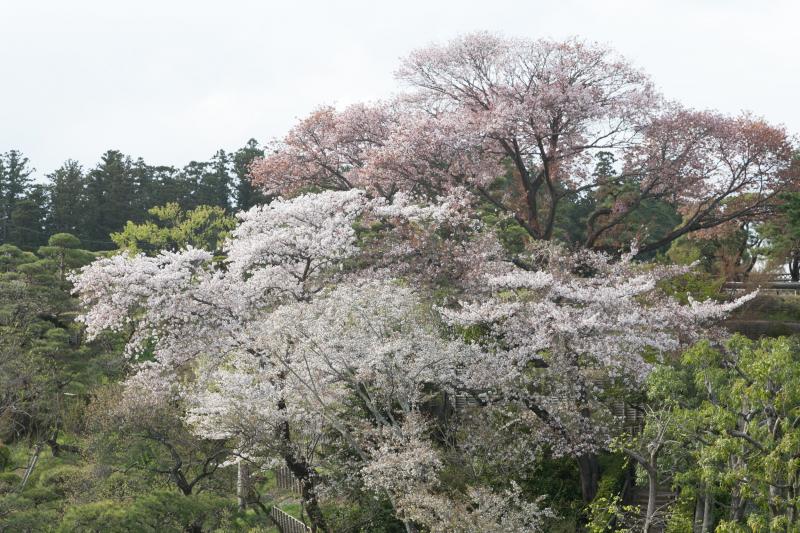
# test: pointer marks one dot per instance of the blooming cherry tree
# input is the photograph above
(559, 335)
(521, 124)
(304, 348)
(191, 314)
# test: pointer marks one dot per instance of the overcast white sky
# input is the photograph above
(173, 80)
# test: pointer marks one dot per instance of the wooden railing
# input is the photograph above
(632, 418)
(286, 522)
(286, 481)
(777, 287)
(462, 401)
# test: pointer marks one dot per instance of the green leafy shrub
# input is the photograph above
(697, 285)
(127, 485)
(5, 457)
(63, 478)
(159, 512)
(681, 515)
(105, 515)
(368, 514)
(40, 495)
(606, 510)
(9, 481)
(34, 520)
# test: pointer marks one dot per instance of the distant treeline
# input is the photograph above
(92, 203)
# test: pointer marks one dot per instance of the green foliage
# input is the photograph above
(15, 179)
(127, 485)
(62, 478)
(93, 203)
(364, 514)
(727, 255)
(64, 241)
(681, 516)
(40, 495)
(30, 520)
(782, 234)
(44, 366)
(171, 228)
(780, 307)
(66, 201)
(697, 285)
(9, 481)
(160, 511)
(5, 457)
(607, 513)
(246, 195)
(733, 431)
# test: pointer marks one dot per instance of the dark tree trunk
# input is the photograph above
(307, 477)
(590, 473)
(301, 470)
(57, 449)
(738, 505)
(794, 267)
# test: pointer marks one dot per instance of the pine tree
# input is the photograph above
(27, 224)
(110, 193)
(209, 182)
(219, 183)
(15, 179)
(66, 198)
(246, 195)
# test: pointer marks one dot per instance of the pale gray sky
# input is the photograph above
(173, 80)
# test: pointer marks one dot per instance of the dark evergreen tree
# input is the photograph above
(209, 182)
(66, 199)
(110, 195)
(168, 185)
(192, 177)
(27, 224)
(246, 195)
(219, 182)
(144, 182)
(15, 178)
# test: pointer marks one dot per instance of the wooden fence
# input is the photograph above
(632, 418)
(462, 401)
(772, 287)
(286, 481)
(287, 523)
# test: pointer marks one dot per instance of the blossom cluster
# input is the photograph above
(296, 335)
